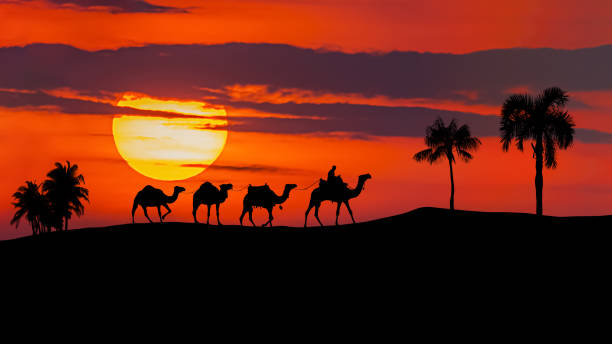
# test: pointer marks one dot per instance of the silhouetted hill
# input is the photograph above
(421, 230)
(422, 261)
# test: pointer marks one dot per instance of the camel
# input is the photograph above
(340, 195)
(152, 197)
(263, 197)
(209, 194)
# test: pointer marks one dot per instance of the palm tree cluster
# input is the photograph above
(542, 119)
(51, 204)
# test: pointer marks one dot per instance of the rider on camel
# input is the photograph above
(332, 181)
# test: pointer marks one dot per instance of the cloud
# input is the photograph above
(118, 6)
(299, 78)
(593, 136)
(183, 70)
(370, 121)
(46, 101)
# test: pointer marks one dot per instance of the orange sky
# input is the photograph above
(356, 25)
(35, 134)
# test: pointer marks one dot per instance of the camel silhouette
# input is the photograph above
(209, 194)
(339, 194)
(152, 197)
(263, 197)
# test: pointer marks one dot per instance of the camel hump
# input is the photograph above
(259, 188)
(148, 190)
(262, 190)
(208, 187)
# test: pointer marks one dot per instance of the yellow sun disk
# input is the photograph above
(176, 106)
(170, 148)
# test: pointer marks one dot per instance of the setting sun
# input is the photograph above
(170, 148)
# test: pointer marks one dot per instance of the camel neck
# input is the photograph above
(172, 199)
(357, 190)
(282, 198)
(223, 194)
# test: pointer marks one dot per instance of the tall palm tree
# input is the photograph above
(29, 203)
(444, 142)
(542, 119)
(64, 191)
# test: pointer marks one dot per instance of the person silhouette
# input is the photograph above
(331, 174)
(334, 181)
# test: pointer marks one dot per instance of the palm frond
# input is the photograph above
(443, 139)
(550, 159)
(560, 126)
(436, 134)
(552, 97)
(514, 117)
(464, 155)
(464, 139)
(423, 155)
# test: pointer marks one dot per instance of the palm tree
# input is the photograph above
(63, 190)
(445, 141)
(543, 120)
(29, 203)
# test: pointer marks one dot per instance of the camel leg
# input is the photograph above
(134, 210)
(144, 209)
(338, 212)
(195, 211)
(349, 209)
(217, 209)
(251, 217)
(270, 218)
(244, 211)
(317, 213)
(208, 216)
(310, 205)
(161, 219)
(169, 211)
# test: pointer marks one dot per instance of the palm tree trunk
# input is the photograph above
(66, 224)
(539, 178)
(452, 196)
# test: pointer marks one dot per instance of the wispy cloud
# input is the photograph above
(117, 6)
(248, 168)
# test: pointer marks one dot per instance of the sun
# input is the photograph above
(170, 148)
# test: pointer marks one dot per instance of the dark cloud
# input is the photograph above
(371, 121)
(183, 71)
(593, 136)
(119, 6)
(43, 100)
(365, 119)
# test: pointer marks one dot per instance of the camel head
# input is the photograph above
(225, 187)
(289, 187)
(178, 189)
(365, 177)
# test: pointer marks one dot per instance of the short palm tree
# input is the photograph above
(64, 191)
(29, 203)
(444, 142)
(543, 120)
